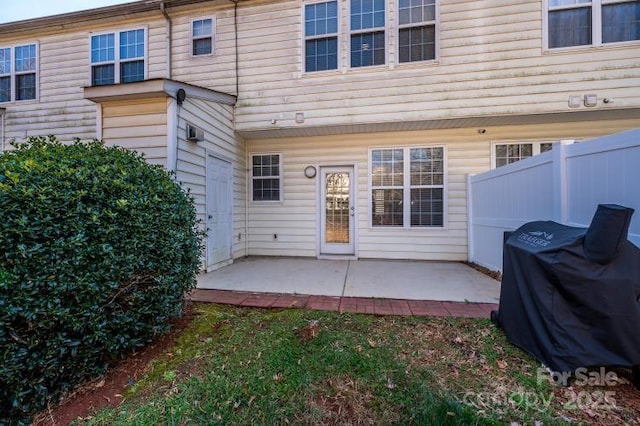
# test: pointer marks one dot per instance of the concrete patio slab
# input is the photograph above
(279, 275)
(420, 280)
(380, 279)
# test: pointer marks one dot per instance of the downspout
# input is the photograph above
(173, 120)
(246, 199)
(2, 127)
(246, 153)
(235, 30)
(168, 31)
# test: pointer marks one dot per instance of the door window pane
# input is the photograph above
(337, 208)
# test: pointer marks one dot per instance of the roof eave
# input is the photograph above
(83, 16)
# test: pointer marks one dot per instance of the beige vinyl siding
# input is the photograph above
(220, 141)
(295, 219)
(491, 62)
(139, 125)
(215, 71)
(64, 69)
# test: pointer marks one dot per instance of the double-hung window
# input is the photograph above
(592, 22)
(18, 73)
(368, 38)
(118, 57)
(266, 177)
(407, 187)
(507, 153)
(416, 30)
(202, 36)
(321, 36)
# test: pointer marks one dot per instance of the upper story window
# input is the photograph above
(416, 30)
(407, 187)
(368, 39)
(361, 33)
(266, 177)
(592, 22)
(321, 36)
(118, 57)
(18, 73)
(202, 36)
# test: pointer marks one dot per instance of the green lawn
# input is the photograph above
(256, 366)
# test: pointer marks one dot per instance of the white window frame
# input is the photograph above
(339, 36)
(406, 190)
(13, 73)
(436, 25)
(596, 25)
(351, 32)
(116, 54)
(535, 148)
(280, 177)
(212, 36)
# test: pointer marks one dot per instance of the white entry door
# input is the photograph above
(337, 210)
(219, 214)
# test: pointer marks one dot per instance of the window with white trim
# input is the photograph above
(592, 22)
(18, 73)
(407, 187)
(321, 36)
(202, 31)
(416, 30)
(118, 57)
(368, 33)
(266, 178)
(507, 153)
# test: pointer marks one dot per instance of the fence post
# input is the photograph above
(560, 200)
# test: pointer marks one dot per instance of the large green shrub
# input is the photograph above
(97, 248)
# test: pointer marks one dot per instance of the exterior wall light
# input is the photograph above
(310, 172)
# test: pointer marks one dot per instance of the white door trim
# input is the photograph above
(340, 249)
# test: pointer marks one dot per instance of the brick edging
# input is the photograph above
(361, 305)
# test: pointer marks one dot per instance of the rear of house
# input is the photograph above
(327, 128)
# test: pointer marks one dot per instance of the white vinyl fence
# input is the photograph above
(565, 184)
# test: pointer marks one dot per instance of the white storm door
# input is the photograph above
(219, 215)
(337, 210)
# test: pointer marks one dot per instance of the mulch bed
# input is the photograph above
(109, 389)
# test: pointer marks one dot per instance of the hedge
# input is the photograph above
(97, 248)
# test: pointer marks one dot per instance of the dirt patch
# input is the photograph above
(309, 332)
(345, 404)
(109, 389)
(496, 275)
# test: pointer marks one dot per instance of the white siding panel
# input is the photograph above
(491, 62)
(144, 130)
(219, 140)
(294, 220)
